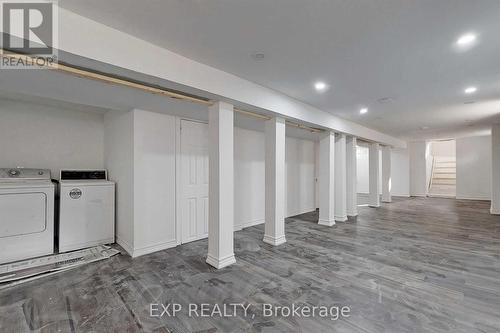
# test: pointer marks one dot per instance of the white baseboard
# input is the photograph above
(494, 211)
(248, 224)
(153, 248)
(461, 197)
(302, 211)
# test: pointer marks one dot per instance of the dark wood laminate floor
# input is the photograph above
(416, 265)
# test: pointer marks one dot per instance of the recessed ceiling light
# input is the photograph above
(363, 110)
(385, 100)
(470, 90)
(258, 56)
(466, 39)
(320, 86)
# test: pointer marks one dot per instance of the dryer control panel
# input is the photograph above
(84, 175)
(13, 174)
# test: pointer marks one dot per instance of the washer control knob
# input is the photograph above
(40, 173)
(13, 172)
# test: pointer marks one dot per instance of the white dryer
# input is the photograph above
(87, 209)
(26, 214)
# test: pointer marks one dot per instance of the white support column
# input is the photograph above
(495, 169)
(275, 182)
(327, 179)
(352, 178)
(221, 185)
(340, 178)
(374, 175)
(386, 174)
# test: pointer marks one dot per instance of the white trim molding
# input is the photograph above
(341, 218)
(327, 223)
(274, 240)
(154, 248)
(125, 245)
(221, 262)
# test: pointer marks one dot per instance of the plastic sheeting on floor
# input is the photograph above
(28, 270)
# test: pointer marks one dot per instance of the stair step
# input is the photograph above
(444, 176)
(445, 165)
(445, 170)
(445, 158)
(444, 182)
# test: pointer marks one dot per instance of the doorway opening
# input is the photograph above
(442, 178)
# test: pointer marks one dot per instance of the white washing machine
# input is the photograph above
(87, 209)
(26, 214)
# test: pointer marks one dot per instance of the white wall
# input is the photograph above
(316, 173)
(141, 157)
(495, 169)
(249, 173)
(300, 185)
(413, 166)
(154, 181)
(363, 169)
(119, 160)
(48, 137)
(418, 168)
(443, 148)
(429, 163)
(300, 189)
(474, 167)
(400, 172)
(140, 151)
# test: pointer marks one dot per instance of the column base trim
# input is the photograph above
(353, 213)
(221, 262)
(274, 240)
(494, 211)
(341, 218)
(328, 223)
(374, 205)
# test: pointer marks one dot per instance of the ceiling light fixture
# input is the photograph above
(466, 39)
(258, 56)
(470, 90)
(363, 110)
(385, 100)
(320, 86)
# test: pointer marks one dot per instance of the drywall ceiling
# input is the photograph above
(365, 50)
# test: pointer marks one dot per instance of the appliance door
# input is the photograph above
(22, 214)
(86, 216)
(26, 223)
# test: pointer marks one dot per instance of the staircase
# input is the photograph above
(444, 177)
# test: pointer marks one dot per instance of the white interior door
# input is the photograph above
(194, 181)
